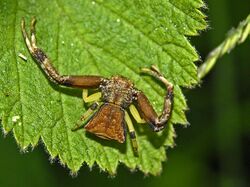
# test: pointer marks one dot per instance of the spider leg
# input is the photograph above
(136, 114)
(155, 72)
(91, 98)
(33, 32)
(146, 110)
(92, 109)
(131, 133)
(39, 55)
(25, 36)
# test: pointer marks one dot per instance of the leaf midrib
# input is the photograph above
(18, 73)
(61, 97)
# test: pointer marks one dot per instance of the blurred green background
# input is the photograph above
(213, 151)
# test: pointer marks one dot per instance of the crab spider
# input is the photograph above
(107, 116)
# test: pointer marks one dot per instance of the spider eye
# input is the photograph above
(134, 94)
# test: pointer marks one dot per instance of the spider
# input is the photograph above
(107, 117)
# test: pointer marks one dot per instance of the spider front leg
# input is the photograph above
(156, 122)
(52, 73)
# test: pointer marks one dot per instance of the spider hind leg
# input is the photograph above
(92, 109)
(136, 114)
(90, 98)
(87, 115)
(132, 133)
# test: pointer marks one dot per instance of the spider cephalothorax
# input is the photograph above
(107, 116)
(118, 90)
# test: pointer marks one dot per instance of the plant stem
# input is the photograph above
(234, 37)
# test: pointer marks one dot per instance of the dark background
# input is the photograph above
(213, 151)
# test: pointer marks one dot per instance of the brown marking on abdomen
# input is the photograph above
(108, 123)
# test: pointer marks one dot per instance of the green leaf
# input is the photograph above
(95, 38)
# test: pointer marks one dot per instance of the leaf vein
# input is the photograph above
(18, 72)
(60, 95)
(105, 50)
(153, 41)
(181, 11)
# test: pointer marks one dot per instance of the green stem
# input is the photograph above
(235, 36)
